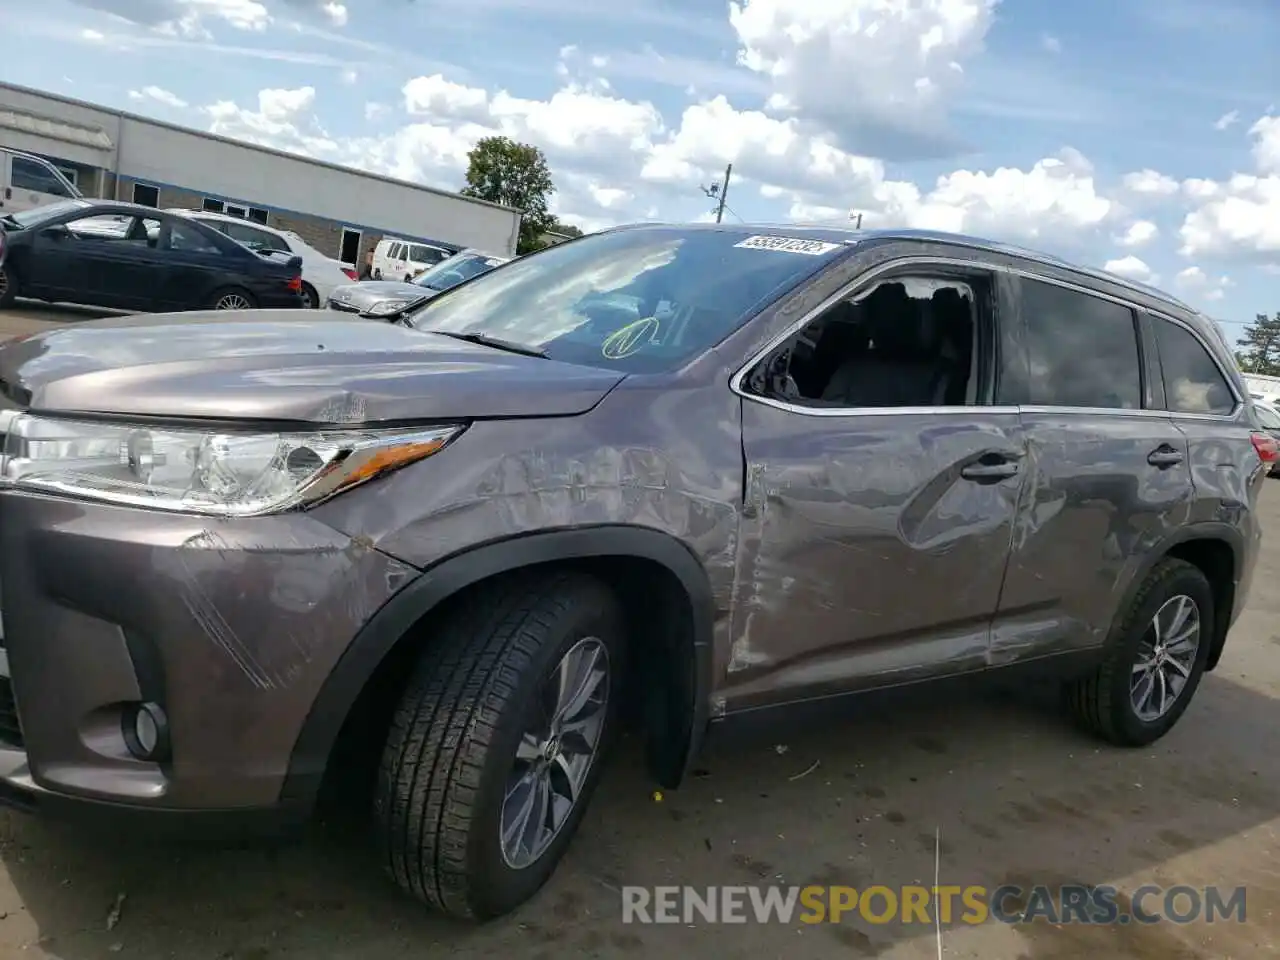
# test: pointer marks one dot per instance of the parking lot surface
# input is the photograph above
(999, 788)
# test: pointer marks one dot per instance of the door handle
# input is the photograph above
(990, 470)
(1164, 456)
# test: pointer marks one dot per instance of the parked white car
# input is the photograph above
(320, 273)
(28, 181)
(395, 259)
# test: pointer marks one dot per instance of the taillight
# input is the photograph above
(295, 284)
(351, 274)
(1267, 446)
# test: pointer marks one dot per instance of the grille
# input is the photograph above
(10, 729)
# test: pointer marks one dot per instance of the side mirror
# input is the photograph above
(58, 231)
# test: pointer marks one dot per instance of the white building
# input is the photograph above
(341, 211)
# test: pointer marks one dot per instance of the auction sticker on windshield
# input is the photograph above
(815, 248)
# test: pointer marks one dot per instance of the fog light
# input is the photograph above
(146, 732)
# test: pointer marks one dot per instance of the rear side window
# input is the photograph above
(394, 252)
(1083, 350)
(1193, 383)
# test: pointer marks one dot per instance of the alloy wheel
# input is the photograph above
(555, 753)
(1166, 658)
(232, 301)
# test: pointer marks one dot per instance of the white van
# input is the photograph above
(28, 181)
(1263, 387)
(395, 259)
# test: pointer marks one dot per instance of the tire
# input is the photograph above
(8, 285)
(310, 298)
(1103, 702)
(230, 294)
(377, 274)
(451, 751)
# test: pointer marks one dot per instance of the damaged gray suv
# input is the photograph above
(675, 476)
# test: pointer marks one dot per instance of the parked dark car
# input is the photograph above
(690, 476)
(392, 300)
(126, 256)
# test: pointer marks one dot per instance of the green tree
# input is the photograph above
(1260, 346)
(513, 174)
(567, 229)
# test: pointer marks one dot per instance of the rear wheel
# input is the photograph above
(1154, 662)
(8, 284)
(310, 299)
(232, 298)
(495, 748)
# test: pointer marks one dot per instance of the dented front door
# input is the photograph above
(873, 547)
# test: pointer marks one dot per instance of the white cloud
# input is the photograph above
(615, 160)
(349, 76)
(1194, 281)
(1132, 268)
(337, 14)
(189, 18)
(1226, 120)
(158, 95)
(93, 36)
(862, 68)
(1240, 216)
(1266, 144)
(1138, 234)
(1151, 183)
(1051, 43)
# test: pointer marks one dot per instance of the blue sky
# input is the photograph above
(1139, 134)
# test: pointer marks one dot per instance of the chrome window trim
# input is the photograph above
(870, 276)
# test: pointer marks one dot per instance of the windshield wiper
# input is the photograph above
(485, 340)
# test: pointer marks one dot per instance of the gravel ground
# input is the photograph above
(1016, 795)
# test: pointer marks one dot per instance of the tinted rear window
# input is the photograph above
(640, 300)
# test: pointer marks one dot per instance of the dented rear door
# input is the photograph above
(873, 548)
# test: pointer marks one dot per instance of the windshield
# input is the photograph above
(449, 273)
(1267, 417)
(48, 211)
(640, 300)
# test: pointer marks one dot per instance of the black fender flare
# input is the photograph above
(1202, 530)
(438, 582)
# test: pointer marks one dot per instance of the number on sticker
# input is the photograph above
(814, 248)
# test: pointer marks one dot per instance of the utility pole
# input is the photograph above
(724, 191)
(857, 220)
(720, 190)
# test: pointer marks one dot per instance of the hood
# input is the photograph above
(361, 296)
(285, 365)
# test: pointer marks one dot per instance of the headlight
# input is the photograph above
(217, 473)
(383, 307)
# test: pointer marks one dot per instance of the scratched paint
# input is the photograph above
(303, 570)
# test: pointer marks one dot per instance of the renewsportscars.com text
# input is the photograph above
(917, 904)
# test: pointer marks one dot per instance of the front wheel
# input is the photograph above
(1155, 659)
(496, 745)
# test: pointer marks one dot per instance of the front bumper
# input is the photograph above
(230, 626)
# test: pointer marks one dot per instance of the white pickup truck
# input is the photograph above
(28, 181)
